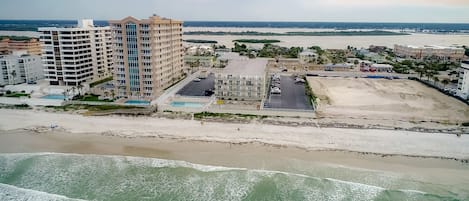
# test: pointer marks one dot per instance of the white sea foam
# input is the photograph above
(13, 193)
(238, 187)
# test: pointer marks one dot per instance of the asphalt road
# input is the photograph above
(293, 96)
(198, 88)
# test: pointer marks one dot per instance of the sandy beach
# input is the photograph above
(308, 138)
(422, 162)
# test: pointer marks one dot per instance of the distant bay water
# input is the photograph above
(420, 33)
(32, 25)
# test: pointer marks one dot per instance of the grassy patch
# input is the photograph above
(16, 38)
(91, 97)
(203, 115)
(93, 84)
(16, 95)
(91, 107)
(17, 106)
(309, 92)
(200, 41)
(256, 41)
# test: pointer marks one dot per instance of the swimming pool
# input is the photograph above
(137, 102)
(187, 104)
(54, 96)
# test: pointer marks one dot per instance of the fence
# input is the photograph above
(429, 84)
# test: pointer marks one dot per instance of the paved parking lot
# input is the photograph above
(292, 97)
(198, 88)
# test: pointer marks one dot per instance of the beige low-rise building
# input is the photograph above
(32, 46)
(430, 52)
(242, 79)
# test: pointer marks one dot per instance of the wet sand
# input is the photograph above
(331, 164)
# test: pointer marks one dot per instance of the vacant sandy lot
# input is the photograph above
(385, 99)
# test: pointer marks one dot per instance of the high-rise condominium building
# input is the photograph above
(148, 55)
(75, 55)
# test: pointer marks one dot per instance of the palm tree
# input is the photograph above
(80, 87)
(421, 71)
(445, 82)
(13, 74)
(430, 73)
(65, 94)
(435, 80)
(73, 90)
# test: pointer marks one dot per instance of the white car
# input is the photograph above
(275, 90)
(299, 80)
(197, 80)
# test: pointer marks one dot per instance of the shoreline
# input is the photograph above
(253, 155)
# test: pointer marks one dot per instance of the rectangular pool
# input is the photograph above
(137, 102)
(186, 104)
(54, 96)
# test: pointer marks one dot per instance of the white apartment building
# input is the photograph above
(20, 67)
(242, 79)
(148, 56)
(463, 82)
(430, 52)
(75, 55)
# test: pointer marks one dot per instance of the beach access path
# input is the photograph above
(311, 138)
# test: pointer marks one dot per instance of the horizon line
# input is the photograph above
(386, 22)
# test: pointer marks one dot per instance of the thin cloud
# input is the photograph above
(394, 2)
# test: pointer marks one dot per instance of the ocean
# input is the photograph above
(54, 176)
(32, 25)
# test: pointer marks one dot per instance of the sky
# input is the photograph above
(446, 11)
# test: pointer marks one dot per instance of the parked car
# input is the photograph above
(276, 85)
(275, 90)
(299, 80)
(197, 80)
